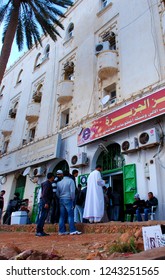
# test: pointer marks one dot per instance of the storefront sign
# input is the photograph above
(32, 154)
(127, 116)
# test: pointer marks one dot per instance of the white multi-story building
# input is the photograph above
(97, 95)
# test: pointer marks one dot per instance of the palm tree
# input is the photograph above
(25, 19)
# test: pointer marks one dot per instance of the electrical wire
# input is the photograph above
(154, 41)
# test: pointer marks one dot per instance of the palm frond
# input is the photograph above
(63, 3)
(3, 11)
(6, 22)
(20, 34)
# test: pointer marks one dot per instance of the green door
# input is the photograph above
(20, 186)
(130, 187)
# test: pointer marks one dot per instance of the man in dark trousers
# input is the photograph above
(55, 207)
(152, 201)
(46, 199)
(2, 193)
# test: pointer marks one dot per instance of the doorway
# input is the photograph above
(114, 184)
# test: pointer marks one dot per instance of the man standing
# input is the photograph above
(66, 194)
(55, 209)
(1, 203)
(74, 175)
(94, 203)
(46, 198)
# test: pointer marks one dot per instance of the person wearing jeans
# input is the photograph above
(66, 194)
(66, 210)
(152, 201)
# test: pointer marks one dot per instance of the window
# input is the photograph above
(70, 31)
(1, 91)
(46, 53)
(104, 3)
(13, 111)
(111, 38)
(111, 91)
(5, 146)
(64, 118)
(112, 159)
(69, 71)
(37, 61)
(32, 132)
(37, 95)
(19, 79)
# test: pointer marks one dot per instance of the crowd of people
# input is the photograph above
(61, 200)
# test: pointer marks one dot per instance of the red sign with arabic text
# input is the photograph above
(132, 114)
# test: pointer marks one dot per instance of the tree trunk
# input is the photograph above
(8, 40)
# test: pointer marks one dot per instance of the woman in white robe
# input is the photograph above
(94, 202)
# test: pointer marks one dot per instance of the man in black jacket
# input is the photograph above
(46, 199)
(152, 201)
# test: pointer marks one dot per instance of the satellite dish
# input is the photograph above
(3, 179)
(105, 99)
(26, 171)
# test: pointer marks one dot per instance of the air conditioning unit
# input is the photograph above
(148, 138)
(12, 112)
(129, 146)
(79, 159)
(39, 171)
(104, 46)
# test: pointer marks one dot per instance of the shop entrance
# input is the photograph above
(114, 184)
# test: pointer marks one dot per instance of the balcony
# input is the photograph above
(65, 91)
(106, 64)
(7, 127)
(33, 111)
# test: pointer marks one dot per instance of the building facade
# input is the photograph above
(97, 95)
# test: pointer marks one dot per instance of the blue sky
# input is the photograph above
(15, 54)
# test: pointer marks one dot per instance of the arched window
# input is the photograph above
(47, 51)
(37, 61)
(62, 165)
(112, 158)
(19, 78)
(70, 30)
(1, 91)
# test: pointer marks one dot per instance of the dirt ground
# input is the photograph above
(94, 242)
(68, 247)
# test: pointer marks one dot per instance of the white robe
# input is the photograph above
(94, 202)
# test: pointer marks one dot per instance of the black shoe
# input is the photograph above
(41, 234)
(45, 234)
